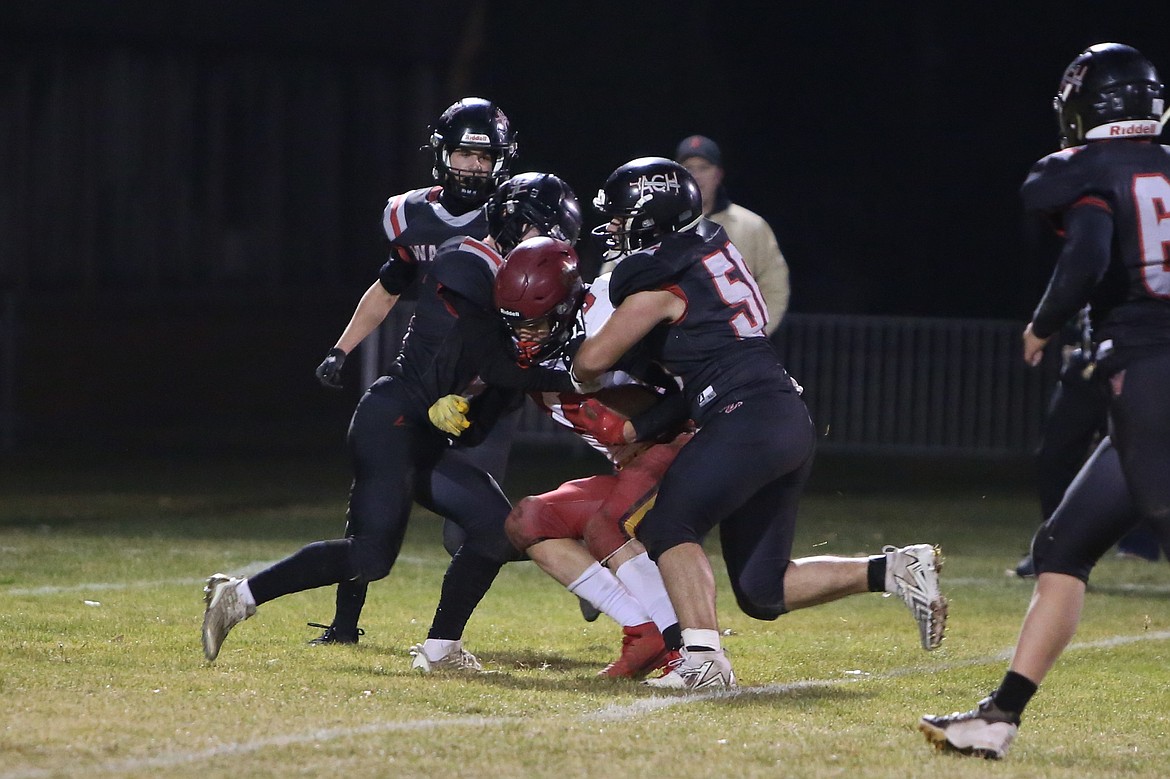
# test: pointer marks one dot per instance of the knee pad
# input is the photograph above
(761, 605)
(453, 537)
(1047, 557)
(368, 560)
(658, 540)
(495, 546)
(756, 611)
(527, 523)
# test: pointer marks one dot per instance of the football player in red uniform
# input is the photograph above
(579, 533)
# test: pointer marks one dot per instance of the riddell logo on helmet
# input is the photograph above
(470, 137)
(510, 312)
(1124, 129)
(660, 182)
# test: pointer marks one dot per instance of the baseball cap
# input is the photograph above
(699, 146)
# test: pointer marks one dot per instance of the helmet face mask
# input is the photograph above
(533, 200)
(472, 124)
(643, 200)
(1109, 91)
(539, 291)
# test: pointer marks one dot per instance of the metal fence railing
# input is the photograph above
(905, 385)
(916, 384)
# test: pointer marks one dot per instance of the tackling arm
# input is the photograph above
(630, 322)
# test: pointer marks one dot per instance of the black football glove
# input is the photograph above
(329, 371)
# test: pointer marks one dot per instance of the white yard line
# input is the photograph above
(610, 713)
(1094, 587)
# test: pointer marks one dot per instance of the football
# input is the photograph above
(628, 399)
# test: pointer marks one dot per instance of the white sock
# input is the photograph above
(700, 637)
(245, 593)
(643, 580)
(601, 588)
(438, 648)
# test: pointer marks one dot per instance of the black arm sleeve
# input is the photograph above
(398, 272)
(1088, 231)
(662, 421)
(487, 407)
(483, 336)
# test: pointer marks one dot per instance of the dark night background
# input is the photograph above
(191, 193)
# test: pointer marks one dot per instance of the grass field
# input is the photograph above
(101, 673)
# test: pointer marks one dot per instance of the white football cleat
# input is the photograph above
(458, 659)
(986, 731)
(696, 671)
(225, 609)
(912, 574)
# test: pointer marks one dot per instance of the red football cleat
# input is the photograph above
(642, 652)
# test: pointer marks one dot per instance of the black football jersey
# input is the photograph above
(1130, 181)
(417, 224)
(434, 359)
(718, 348)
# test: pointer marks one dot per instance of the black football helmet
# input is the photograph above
(539, 281)
(650, 196)
(1109, 91)
(472, 123)
(528, 200)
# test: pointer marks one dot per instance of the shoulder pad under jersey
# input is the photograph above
(643, 271)
(419, 217)
(468, 267)
(1059, 180)
(400, 209)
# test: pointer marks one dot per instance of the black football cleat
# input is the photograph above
(334, 635)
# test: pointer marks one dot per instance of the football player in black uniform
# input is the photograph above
(1109, 189)
(684, 291)
(473, 147)
(456, 346)
(1075, 421)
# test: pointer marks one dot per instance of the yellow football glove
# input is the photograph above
(449, 414)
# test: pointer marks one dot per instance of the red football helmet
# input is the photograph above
(539, 282)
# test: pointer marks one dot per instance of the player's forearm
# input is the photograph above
(629, 323)
(594, 358)
(371, 311)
